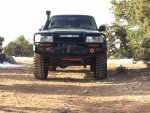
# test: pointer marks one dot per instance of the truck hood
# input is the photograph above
(59, 30)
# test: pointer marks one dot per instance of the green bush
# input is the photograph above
(146, 51)
(142, 52)
(19, 47)
(121, 69)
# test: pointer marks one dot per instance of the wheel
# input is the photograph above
(52, 68)
(40, 67)
(100, 71)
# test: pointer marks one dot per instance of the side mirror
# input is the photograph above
(102, 28)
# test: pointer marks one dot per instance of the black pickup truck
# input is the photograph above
(70, 40)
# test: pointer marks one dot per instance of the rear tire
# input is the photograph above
(92, 66)
(100, 71)
(40, 67)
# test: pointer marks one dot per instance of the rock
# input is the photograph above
(11, 60)
(1, 61)
(86, 91)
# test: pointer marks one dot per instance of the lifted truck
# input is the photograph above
(70, 40)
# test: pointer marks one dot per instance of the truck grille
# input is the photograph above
(68, 38)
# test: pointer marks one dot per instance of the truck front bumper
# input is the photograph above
(86, 51)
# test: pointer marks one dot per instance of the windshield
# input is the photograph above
(73, 21)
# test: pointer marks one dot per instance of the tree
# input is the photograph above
(134, 17)
(142, 14)
(118, 42)
(19, 47)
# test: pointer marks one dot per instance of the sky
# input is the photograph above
(25, 17)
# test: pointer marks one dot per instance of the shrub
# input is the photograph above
(121, 69)
(19, 47)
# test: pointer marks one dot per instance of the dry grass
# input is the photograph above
(73, 90)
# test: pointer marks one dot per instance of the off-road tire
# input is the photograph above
(40, 67)
(100, 71)
(92, 65)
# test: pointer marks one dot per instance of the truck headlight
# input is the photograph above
(95, 39)
(42, 38)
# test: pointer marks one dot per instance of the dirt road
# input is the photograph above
(73, 90)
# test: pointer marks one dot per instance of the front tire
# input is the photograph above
(100, 71)
(40, 67)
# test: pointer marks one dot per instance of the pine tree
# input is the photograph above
(134, 17)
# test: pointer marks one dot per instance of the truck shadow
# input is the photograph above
(88, 76)
(114, 85)
(81, 75)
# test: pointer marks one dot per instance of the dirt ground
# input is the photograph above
(73, 90)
